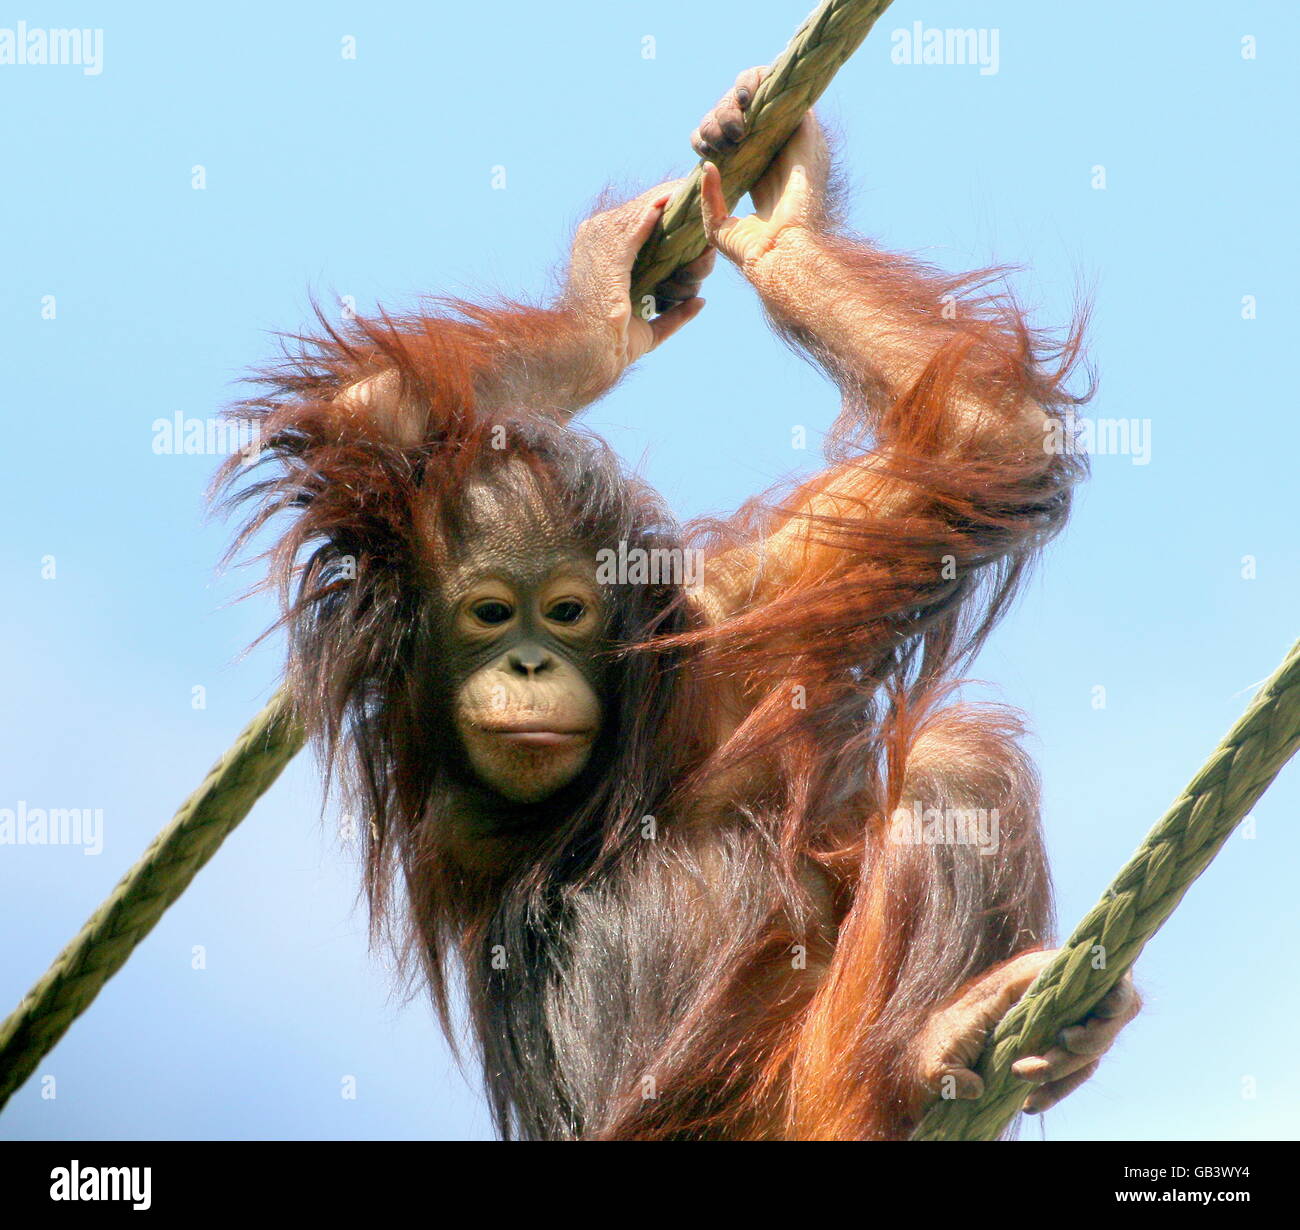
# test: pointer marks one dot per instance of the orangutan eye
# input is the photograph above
(566, 611)
(492, 611)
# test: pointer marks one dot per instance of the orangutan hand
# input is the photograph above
(600, 279)
(951, 1043)
(790, 194)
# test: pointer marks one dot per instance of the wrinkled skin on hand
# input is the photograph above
(600, 278)
(790, 194)
(947, 1051)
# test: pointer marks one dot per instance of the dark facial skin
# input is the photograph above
(523, 625)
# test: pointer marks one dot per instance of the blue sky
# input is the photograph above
(373, 177)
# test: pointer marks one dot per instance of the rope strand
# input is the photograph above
(1135, 905)
(142, 896)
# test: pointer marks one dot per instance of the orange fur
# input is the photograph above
(869, 588)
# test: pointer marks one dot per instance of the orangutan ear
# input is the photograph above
(380, 402)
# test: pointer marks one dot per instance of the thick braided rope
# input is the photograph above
(163, 872)
(1135, 906)
(826, 39)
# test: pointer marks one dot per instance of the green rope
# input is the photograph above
(164, 871)
(1134, 907)
(797, 79)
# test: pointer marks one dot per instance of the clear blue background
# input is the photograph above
(372, 178)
